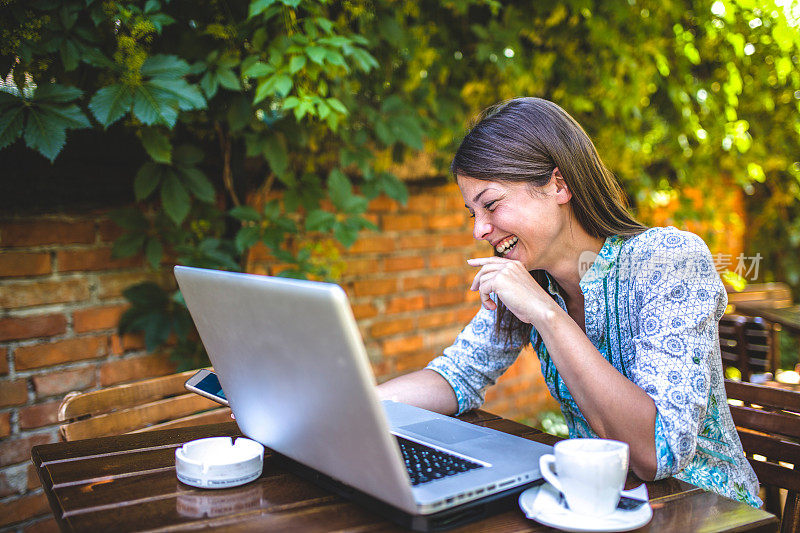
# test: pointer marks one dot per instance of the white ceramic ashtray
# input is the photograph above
(219, 462)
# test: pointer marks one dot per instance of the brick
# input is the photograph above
(13, 392)
(128, 343)
(5, 425)
(449, 260)
(47, 525)
(32, 482)
(427, 282)
(22, 509)
(437, 319)
(29, 327)
(402, 222)
(440, 222)
(357, 267)
(3, 361)
(373, 244)
(24, 264)
(97, 318)
(425, 203)
(443, 298)
(416, 242)
(457, 240)
(405, 304)
(413, 361)
(398, 264)
(19, 449)
(108, 231)
(43, 232)
(374, 287)
(44, 292)
(132, 368)
(112, 285)
(94, 259)
(13, 480)
(54, 353)
(382, 204)
(391, 327)
(361, 311)
(39, 415)
(59, 383)
(392, 347)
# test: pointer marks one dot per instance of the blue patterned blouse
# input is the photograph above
(652, 308)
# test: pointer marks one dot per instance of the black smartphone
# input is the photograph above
(205, 383)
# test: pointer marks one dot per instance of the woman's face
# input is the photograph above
(520, 223)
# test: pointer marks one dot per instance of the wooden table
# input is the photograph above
(128, 483)
(787, 317)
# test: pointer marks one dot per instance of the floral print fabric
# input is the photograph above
(652, 307)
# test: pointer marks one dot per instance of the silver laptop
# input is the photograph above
(293, 366)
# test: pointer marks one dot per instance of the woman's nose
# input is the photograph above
(481, 227)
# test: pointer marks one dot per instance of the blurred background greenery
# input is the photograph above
(694, 105)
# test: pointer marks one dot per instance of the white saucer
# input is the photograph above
(542, 504)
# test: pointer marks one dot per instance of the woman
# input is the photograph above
(623, 318)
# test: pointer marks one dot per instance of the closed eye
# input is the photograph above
(489, 205)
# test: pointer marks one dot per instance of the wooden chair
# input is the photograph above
(749, 344)
(147, 405)
(773, 295)
(768, 424)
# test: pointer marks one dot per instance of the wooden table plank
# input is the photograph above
(128, 483)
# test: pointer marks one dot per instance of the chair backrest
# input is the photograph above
(768, 423)
(749, 344)
(147, 405)
(773, 295)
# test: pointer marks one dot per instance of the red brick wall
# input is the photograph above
(61, 297)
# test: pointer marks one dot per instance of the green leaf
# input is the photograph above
(297, 63)
(130, 219)
(55, 93)
(175, 199)
(394, 188)
(345, 234)
(157, 145)
(44, 135)
(110, 103)
(188, 96)
(228, 79)
(70, 55)
(337, 105)
(239, 113)
(316, 54)
(340, 189)
(355, 205)
(154, 251)
(187, 155)
(276, 154)
(198, 184)
(128, 245)
(164, 66)
(258, 70)
(258, 6)
(11, 123)
(278, 84)
(319, 220)
(245, 212)
(152, 106)
(209, 83)
(246, 237)
(152, 6)
(146, 181)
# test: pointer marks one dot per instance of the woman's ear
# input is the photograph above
(562, 192)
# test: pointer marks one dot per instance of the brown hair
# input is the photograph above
(524, 140)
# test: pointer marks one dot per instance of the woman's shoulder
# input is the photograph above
(664, 242)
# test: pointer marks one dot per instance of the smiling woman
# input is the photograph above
(628, 344)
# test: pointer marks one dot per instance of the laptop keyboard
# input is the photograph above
(425, 464)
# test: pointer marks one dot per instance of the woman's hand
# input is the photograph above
(514, 286)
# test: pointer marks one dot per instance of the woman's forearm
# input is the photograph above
(615, 407)
(424, 388)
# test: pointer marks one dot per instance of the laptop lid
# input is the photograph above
(307, 392)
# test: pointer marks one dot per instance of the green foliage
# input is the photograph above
(314, 97)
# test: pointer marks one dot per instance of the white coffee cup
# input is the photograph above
(590, 473)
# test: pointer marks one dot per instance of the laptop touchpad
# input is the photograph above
(443, 431)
